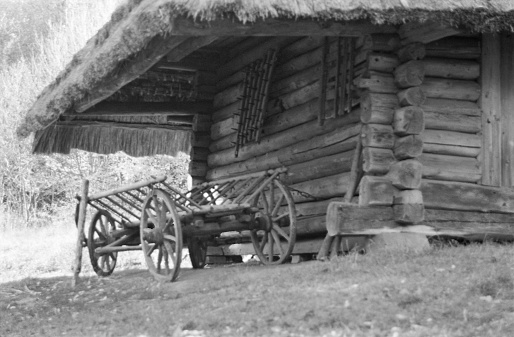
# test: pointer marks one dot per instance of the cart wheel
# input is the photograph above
(161, 236)
(99, 234)
(197, 252)
(275, 243)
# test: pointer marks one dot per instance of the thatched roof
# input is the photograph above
(136, 25)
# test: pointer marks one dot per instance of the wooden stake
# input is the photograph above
(80, 229)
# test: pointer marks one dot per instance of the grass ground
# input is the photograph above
(448, 291)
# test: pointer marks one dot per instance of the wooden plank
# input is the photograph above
(507, 107)
(490, 101)
(467, 197)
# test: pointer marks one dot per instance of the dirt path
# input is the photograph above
(129, 303)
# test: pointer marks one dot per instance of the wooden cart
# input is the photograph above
(158, 219)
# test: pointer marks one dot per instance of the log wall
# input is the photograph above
(318, 157)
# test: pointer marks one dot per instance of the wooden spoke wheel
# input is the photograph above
(275, 239)
(197, 252)
(100, 235)
(161, 236)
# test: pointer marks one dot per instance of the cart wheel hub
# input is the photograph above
(154, 235)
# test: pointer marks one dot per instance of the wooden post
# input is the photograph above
(80, 230)
(490, 102)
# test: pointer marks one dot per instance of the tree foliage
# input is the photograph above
(37, 39)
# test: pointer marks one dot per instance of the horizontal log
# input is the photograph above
(450, 168)
(409, 214)
(222, 128)
(412, 51)
(299, 47)
(451, 138)
(411, 96)
(458, 47)
(409, 74)
(377, 82)
(378, 108)
(452, 89)
(377, 135)
(406, 174)
(451, 68)
(228, 96)
(296, 81)
(377, 161)
(409, 120)
(375, 191)
(319, 167)
(282, 139)
(381, 42)
(251, 55)
(440, 215)
(244, 45)
(314, 208)
(408, 147)
(467, 197)
(225, 112)
(452, 150)
(406, 197)
(338, 140)
(451, 106)
(322, 188)
(343, 218)
(313, 58)
(452, 122)
(385, 63)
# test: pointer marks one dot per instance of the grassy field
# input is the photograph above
(451, 290)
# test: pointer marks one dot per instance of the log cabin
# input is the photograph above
(389, 116)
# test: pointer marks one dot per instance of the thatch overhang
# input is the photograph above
(141, 32)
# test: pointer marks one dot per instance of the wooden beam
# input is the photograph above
(507, 106)
(467, 197)
(128, 71)
(183, 25)
(491, 107)
(83, 123)
(144, 109)
(425, 32)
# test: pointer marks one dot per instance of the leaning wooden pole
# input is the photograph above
(80, 230)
